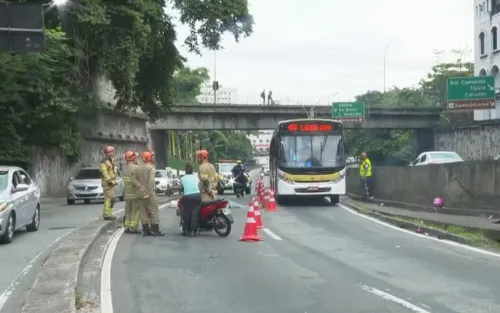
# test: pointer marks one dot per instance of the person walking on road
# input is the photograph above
(150, 211)
(191, 203)
(134, 191)
(108, 182)
(207, 176)
(365, 173)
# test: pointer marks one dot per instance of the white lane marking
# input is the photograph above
(106, 296)
(451, 243)
(5, 296)
(109, 252)
(394, 299)
(271, 234)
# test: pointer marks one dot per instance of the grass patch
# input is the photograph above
(475, 238)
(79, 303)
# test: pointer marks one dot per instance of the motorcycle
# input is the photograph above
(214, 215)
(239, 189)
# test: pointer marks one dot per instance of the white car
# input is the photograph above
(436, 157)
(164, 181)
(265, 168)
(19, 202)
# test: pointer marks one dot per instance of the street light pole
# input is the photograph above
(385, 57)
(215, 77)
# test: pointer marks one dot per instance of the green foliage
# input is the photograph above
(395, 146)
(38, 100)
(131, 43)
(187, 82)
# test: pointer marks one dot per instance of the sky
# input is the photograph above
(318, 51)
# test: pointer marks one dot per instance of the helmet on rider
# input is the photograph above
(147, 156)
(261, 174)
(238, 162)
(202, 155)
(130, 156)
(108, 149)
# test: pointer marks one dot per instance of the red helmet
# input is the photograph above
(108, 149)
(147, 156)
(202, 154)
(130, 156)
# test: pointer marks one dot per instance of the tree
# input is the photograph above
(187, 83)
(395, 146)
(131, 43)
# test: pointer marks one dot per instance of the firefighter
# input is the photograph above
(207, 176)
(150, 212)
(108, 181)
(134, 191)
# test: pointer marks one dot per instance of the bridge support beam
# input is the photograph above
(423, 140)
(159, 146)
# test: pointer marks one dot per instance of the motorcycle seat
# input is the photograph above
(209, 202)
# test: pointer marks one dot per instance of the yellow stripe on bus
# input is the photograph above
(311, 177)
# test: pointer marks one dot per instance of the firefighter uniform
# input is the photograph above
(108, 183)
(208, 180)
(132, 196)
(150, 211)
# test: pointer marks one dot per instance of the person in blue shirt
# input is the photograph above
(191, 202)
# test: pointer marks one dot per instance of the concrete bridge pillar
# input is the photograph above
(423, 140)
(159, 146)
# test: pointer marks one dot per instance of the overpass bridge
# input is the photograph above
(254, 117)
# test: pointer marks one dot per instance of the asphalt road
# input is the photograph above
(21, 259)
(315, 258)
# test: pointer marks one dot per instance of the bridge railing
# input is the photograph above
(226, 98)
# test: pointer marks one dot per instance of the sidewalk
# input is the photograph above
(486, 226)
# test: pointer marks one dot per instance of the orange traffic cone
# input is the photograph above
(256, 212)
(251, 233)
(266, 198)
(271, 205)
(261, 195)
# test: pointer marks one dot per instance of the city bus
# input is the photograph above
(307, 159)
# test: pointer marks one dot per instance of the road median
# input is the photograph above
(474, 231)
(54, 289)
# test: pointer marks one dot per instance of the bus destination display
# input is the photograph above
(310, 127)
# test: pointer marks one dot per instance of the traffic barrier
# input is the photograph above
(250, 233)
(271, 205)
(256, 210)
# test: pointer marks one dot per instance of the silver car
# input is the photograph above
(19, 202)
(86, 186)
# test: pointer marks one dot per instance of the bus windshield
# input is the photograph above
(312, 151)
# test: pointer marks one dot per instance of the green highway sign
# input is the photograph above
(349, 111)
(471, 93)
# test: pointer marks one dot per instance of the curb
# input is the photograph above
(428, 208)
(54, 289)
(426, 230)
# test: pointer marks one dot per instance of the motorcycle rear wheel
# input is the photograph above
(227, 226)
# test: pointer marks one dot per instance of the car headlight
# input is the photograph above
(3, 207)
(71, 188)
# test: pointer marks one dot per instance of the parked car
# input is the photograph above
(86, 186)
(436, 157)
(164, 181)
(19, 202)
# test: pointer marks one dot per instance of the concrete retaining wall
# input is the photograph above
(470, 185)
(51, 169)
(473, 142)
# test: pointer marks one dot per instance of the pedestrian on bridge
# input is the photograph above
(365, 173)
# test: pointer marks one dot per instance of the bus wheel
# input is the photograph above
(334, 199)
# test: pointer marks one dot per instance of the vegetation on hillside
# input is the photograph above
(395, 146)
(130, 43)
